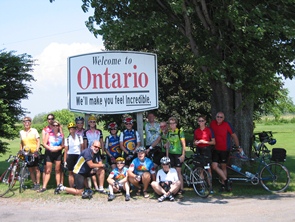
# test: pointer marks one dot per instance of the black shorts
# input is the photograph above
(220, 156)
(174, 160)
(34, 163)
(128, 161)
(71, 161)
(156, 154)
(52, 156)
(79, 181)
(206, 152)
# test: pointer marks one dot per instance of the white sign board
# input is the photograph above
(113, 82)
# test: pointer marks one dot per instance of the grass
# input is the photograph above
(283, 133)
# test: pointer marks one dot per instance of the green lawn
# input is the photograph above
(283, 133)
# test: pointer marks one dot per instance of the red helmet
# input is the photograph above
(113, 125)
(128, 120)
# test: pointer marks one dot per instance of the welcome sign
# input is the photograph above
(113, 82)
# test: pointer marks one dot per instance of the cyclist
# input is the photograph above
(88, 164)
(91, 135)
(162, 139)
(54, 145)
(112, 145)
(129, 141)
(118, 180)
(204, 139)
(30, 141)
(223, 132)
(176, 146)
(141, 172)
(80, 126)
(73, 148)
(167, 182)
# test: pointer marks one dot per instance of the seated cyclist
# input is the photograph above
(141, 172)
(89, 162)
(118, 180)
(167, 182)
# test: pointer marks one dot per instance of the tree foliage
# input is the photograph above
(14, 85)
(238, 51)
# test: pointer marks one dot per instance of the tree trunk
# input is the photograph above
(236, 111)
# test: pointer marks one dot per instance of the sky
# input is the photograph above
(50, 33)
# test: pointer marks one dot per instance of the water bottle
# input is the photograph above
(236, 168)
(249, 175)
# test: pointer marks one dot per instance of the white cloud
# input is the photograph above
(50, 89)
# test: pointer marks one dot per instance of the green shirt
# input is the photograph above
(174, 138)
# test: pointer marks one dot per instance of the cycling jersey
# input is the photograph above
(171, 176)
(174, 138)
(55, 140)
(129, 139)
(205, 134)
(92, 135)
(29, 139)
(80, 132)
(222, 134)
(151, 133)
(81, 166)
(117, 175)
(139, 167)
(112, 144)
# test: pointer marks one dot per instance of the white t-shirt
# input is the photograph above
(74, 144)
(170, 176)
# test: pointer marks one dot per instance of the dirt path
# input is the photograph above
(277, 207)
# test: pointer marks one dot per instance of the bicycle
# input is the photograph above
(195, 173)
(259, 143)
(17, 170)
(273, 176)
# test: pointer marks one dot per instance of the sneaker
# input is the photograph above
(162, 198)
(171, 198)
(36, 187)
(59, 188)
(227, 186)
(101, 191)
(127, 197)
(41, 190)
(111, 197)
(211, 191)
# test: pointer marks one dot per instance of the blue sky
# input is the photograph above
(50, 33)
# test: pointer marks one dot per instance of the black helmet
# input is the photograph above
(79, 118)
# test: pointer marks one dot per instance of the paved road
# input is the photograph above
(277, 207)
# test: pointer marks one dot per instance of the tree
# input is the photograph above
(14, 71)
(242, 48)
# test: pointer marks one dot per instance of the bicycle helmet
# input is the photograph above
(140, 149)
(272, 141)
(79, 118)
(92, 118)
(165, 160)
(120, 159)
(128, 120)
(71, 125)
(112, 125)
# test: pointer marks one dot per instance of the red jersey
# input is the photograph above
(222, 134)
(205, 134)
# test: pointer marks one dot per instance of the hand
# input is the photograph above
(65, 164)
(138, 178)
(113, 160)
(181, 158)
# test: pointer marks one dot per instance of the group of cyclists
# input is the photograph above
(133, 165)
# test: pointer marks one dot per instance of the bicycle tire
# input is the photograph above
(200, 178)
(186, 176)
(274, 177)
(4, 179)
(22, 177)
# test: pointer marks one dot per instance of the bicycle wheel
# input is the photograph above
(274, 177)
(23, 175)
(200, 178)
(4, 179)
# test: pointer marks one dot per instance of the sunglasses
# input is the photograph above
(26, 121)
(97, 147)
(120, 163)
(221, 117)
(162, 126)
(92, 122)
(166, 164)
(56, 125)
(128, 123)
(114, 129)
(200, 121)
(79, 122)
(50, 119)
(172, 123)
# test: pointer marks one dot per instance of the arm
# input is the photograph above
(182, 157)
(95, 165)
(236, 141)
